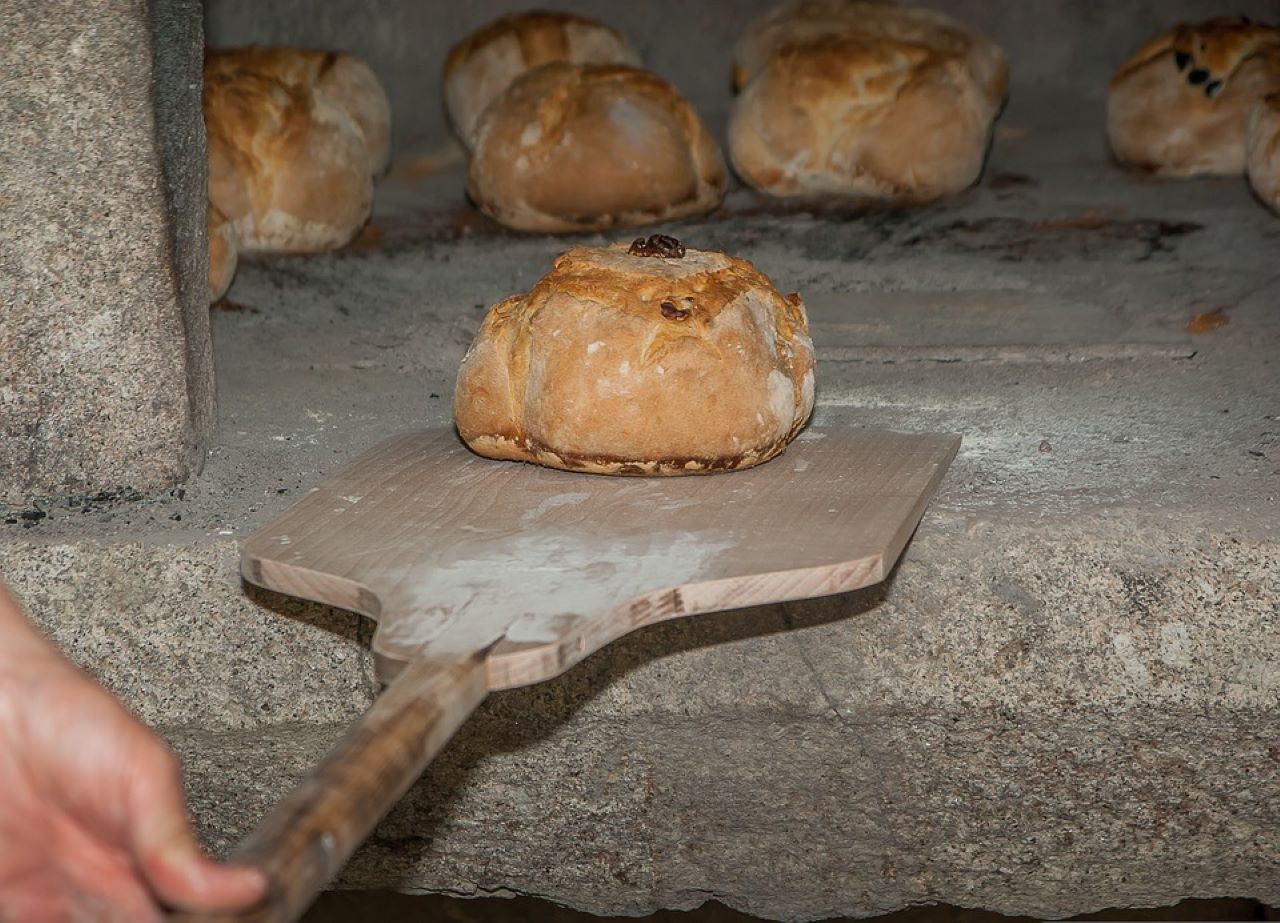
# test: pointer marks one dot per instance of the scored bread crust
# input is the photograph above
(343, 79)
(858, 99)
(223, 252)
(481, 67)
(1180, 105)
(799, 22)
(621, 364)
(572, 147)
(1263, 150)
(287, 167)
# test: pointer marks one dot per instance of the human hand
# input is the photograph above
(93, 822)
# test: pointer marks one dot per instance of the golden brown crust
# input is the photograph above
(623, 364)
(796, 23)
(539, 33)
(871, 101)
(587, 147)
(1219, 46)
(484, 64)
(1263, 150)
(287, 167)
(1179, 106)
(344, 79)
(1154, 48)
(222, 253)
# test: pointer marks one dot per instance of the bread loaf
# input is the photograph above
(573, 147)
(342, 79)
(1263, 150)
(222, 253)
(863, 100)
(288, 168)
(647, 359)
(481, 67)
(1180, 105)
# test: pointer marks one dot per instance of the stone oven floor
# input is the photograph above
(1065, 698)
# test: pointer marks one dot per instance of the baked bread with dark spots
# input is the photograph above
(646, 359)
(1180, 105)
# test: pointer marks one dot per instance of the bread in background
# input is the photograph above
(1262, 143)
(1179, 107)
(343, 79)
(643, 359)
(222, 253)
(863, 100)
(572, 147)
(288, 167)
(482, 66)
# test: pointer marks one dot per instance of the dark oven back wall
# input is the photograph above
(1054, 46)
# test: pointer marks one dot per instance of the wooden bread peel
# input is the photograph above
(486, 575)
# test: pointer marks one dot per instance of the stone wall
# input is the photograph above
(106, 376)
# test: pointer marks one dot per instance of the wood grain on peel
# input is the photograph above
(437, 543)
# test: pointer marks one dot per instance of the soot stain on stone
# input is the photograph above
(234, 307)
(106, 504)
(1010, 181)
(1088, 236)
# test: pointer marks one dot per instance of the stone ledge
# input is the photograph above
(1039, 719)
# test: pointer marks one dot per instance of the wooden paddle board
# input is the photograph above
(485, 575)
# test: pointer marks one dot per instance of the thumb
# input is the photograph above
(165, 849)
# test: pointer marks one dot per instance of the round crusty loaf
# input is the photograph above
(572, 147)
(863, 100)
(222, 253)
(287, 167)
(343, 79)
(1179, 106)
(617, 363)
(481, 67)
(1263, 147)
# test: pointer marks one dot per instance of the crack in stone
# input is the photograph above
(813, 671)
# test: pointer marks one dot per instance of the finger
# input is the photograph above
(132, 905)
(195, 882)
(166, 851)
(28, 908)
(79, 886)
